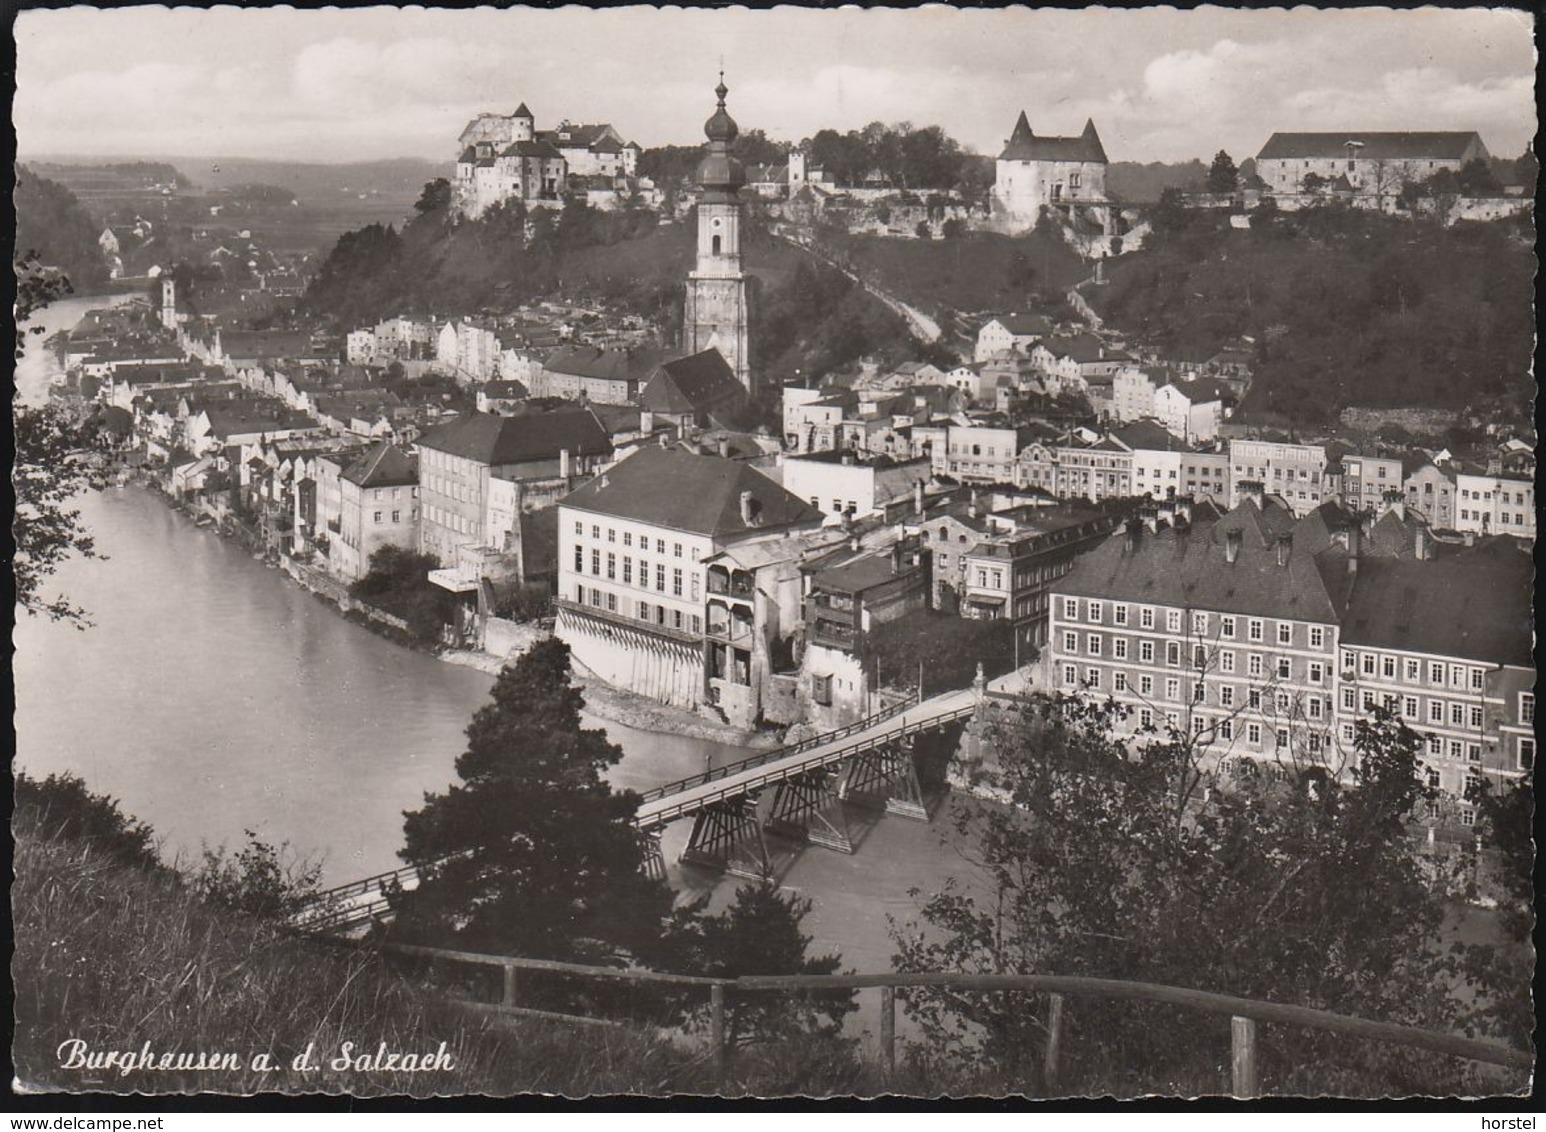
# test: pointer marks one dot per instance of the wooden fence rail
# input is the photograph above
(1244, 1013)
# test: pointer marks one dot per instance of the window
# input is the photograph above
(1227, 628)
(627, 538)
(1227, 695)
(1314, 707)
(1414, 671)
(660, 546)
(644, 575)
(1349, 698)
(1119, 648)
(1199, 657)
(1285, 668)
(676, 550)
(1172, 688)
(1119, 681)
(1315, 672)
(1227, 662)
(1255, 666)
(1173, 654)
(1173, 620)
(1455, 749)
(627, 570)
(1467, 817)
(579, 560)
(579, 529)
(697, 623)
(1526, 753)
(1146, 618)
(1253, 734)
(1092, 677)
(1070, 609)
(1317, 637)
(1119, 614)
(1435, 780)
(611, 535)
(397, 516)
(1145, 685)
(1280, 703)
(1476, 680)
(1071, 642)
(1435, 711)
(1254, 629)
(377, 517)
(1145, 718)
(1092, 644)
(1226, 729)
(1476, 718)
(1095, 612)
(1388, 667)
(1282, 738)
(595, 562)
(1409, 707)
(1436, 674)
(595, 531)
(1200, 624)
(1070, 675)
(611, 565)
(660, 577)
(1199, 692)
(1457, 715)
(1527, 707)
(821, 690)
(1285, 634)
(1146, 652)
(611, 603)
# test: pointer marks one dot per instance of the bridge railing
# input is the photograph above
(762, 758)
(1244, 1014)
(667, 814)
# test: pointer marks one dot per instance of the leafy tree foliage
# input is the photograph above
(261, 879)
(398, 582)
(436, 196)
(52, 465)
(60, 807)
(532, 852)
(759, 934)
(949, 647)
(1146, 864)
(1223, 177)
(912, 157)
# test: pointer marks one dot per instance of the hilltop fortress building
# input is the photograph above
(1064, 174)
(505, 157)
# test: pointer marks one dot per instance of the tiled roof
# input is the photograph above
(1082, 348)
(1022, 325)
(531, 149)
(487, 439)
(701, 494)
(383, 464)
(1474, 604)
(607, 365)
(1023, 145)
(1397, 145)
(1190, 568)
(1149, 437)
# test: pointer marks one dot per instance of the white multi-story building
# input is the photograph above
(1494, 502)
(1295, 472)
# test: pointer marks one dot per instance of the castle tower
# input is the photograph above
(718, 310)
(522, 124)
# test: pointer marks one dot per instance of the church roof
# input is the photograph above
(1024, 145)
(699, 383)
(1388, 145)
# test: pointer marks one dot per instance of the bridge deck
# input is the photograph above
(659, 811)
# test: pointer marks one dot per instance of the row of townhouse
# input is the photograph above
(1269, 636)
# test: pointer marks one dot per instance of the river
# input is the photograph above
(211, 696)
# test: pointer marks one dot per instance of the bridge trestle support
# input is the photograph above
(654, 863)
(808, 808)
(727, 837)
(885, 776)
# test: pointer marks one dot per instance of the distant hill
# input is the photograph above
(397, 176)
(1143, 183)
(1345, 307)
(51, 221)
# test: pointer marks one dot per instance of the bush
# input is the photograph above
(61, 807)
(260, 880)
(398, 582)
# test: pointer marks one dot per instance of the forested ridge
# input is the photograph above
(52, 222)
(1345, 307)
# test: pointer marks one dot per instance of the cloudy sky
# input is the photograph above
(355, 84)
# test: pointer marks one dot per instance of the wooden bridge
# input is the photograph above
(796, 791)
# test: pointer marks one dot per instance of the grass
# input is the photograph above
(118, 957)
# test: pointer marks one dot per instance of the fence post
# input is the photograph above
(888, 1032)
(1054, 1040)
(1242, 1032)
(508, 999)
(717, 1031)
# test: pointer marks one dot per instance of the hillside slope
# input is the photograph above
(1346, 308)
(51, 221)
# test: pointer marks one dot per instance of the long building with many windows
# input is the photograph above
(1269, 637)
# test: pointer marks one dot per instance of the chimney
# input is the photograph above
(918, 497)
(646, 422)
(564, 463)
(1134, 534)
(853, 539)
(1470, 538)
(1255, 491)
(724, 447)
(848, 459)
(1420, 546)
(1184, 510)
(1285, 545)
(896, 556)
(1232, 540)
(748, 509)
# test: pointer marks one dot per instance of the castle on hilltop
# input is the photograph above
(1067, 175)
(505, 157)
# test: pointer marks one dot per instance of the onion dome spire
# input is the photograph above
(719, 171)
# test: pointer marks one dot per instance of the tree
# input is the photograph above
(760, 934)
(533, 853)
(1314, 183)
(1223, 177)
(1151, 862)
(1477, 179)
(398, 582)
(435, 197)
(49, 469)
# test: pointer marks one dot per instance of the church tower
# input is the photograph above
(718, 313)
